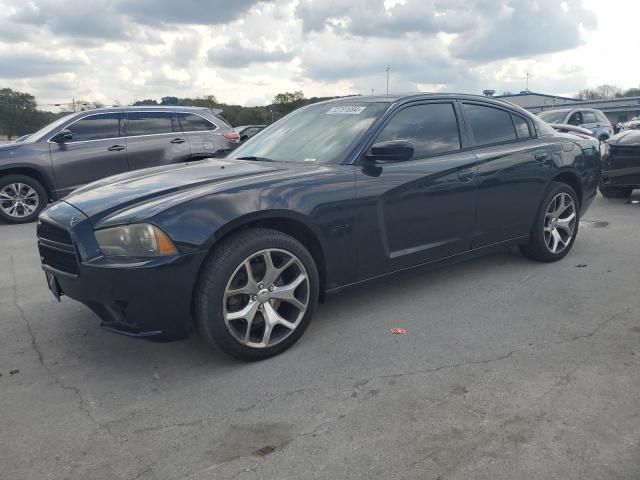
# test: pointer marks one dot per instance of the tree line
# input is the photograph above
(19, 113)
(606, 92)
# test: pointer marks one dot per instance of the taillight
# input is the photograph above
(232, 136)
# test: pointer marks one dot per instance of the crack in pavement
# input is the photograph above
(36, 348)
(501, 357)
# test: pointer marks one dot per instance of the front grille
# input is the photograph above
(58, 258)
(53, 233)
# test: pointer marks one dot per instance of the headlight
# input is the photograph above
(140, 241)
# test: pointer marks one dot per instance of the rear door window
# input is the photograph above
(588, 117)
(489, 125)
(194, 123)
(148, 123)
(96, 127)
(432, 128)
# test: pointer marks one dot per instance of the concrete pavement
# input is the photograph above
(510, 370)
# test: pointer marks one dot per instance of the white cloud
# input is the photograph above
(247, 51)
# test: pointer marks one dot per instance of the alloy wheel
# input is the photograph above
(266, 298)
(560, 222)
(19, 200)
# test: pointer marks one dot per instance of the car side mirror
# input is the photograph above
(63, 136)
(391, 152)
(243, 137)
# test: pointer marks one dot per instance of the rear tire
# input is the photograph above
(615, 192)
(22, 198)
(275, 300)
(555, 229)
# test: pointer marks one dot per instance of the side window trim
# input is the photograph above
(456, 113)
(73, 122)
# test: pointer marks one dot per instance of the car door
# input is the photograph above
(514, 167)
(97, 149)
(152, 141)
(422, 209)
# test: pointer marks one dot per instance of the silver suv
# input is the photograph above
(588, 118)
(87, 146)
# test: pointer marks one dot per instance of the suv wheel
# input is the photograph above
(615, 192)
(556, 225)
(256, 294)
(21, 198)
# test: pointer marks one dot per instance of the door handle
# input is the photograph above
(177, 140)
(115, 148)
(466, 175)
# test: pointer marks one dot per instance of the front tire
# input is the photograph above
(256, 294)
(22, 198)
(615, 192)
(556, 225)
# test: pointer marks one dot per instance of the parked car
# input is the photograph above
(332, 195)
(631, 125)
(621, 164)
(83, 147)
(588, 118)
(248, 131)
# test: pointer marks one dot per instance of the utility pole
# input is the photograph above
(388, 67)
(73, 102)
(527, 89)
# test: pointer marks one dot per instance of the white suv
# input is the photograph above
(588, 118)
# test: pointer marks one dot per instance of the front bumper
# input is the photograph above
(139, 301)
(150, 298)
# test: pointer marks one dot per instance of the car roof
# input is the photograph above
(412, 97)
(151, 108)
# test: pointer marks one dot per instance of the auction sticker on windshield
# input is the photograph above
(345, 110)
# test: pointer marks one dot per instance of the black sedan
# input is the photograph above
(332, 195)
(621, 164)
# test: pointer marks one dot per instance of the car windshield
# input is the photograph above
(49, 129)
(554, 116)
(321, 133)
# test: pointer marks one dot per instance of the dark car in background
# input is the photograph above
(621, 164)
(83, 147)
(248, 131)
(332, 195)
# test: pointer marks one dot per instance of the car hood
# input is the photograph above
(140, 194)
(628, 138)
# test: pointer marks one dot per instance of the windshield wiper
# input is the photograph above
(256, 159)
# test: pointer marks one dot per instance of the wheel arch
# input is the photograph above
(283, 221)
(32, 172)
(571, 179)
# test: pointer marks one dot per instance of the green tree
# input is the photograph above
(145, 102)
(632, 92)
(170, 101)
(18, 113)
(287, 102)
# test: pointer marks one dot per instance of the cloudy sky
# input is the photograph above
(245, 51)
